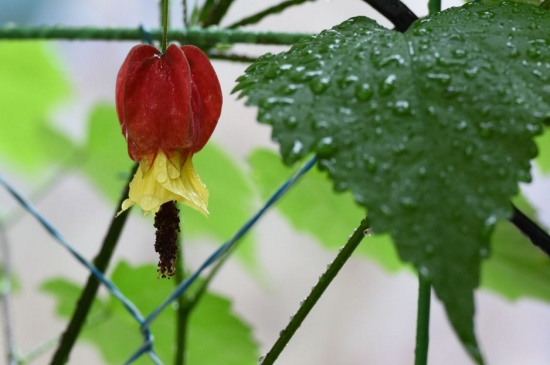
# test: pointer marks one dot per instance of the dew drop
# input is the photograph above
(320, 125)
(173, 172)
(483, 252)
(149, 202)
(261, 360)
(462, 125)
(319, 84)
(363, 91)
(161, 177)
(367, 232)
(325, 146)
(402, 107)
(291, 122)
(442, 78)
(408, 202)
(424, 272)
(459, 53)
(388, 85)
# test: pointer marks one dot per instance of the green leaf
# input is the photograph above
(431, 130)
(32, 84)
(106, 159)
(543, 158)
(516, 268)
(312, 207)
(212, 324)
(231, 201)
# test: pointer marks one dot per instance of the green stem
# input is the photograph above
(434, 6)
(315, 294)
(189, 36)
(253, 19)
(184, 309)
(165, 6)
(423, 320)
(86, 299)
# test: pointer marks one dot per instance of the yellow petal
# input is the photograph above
(164, 181)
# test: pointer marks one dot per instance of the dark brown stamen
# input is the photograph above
(167, 223)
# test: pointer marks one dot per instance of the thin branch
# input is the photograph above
(395, 11)
(316, 293)
(86, 299)
(423, 320)
(183, 312)
(275, 9)
(5, 297)
(164, 41)
(189, 36)
(231, 57)
(537, 235)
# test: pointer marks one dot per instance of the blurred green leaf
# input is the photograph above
(232, 200)
(216, 335)
(32, 83)
(106, 160)
(516, 268)
(313, 207)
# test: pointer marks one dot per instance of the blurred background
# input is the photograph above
(368, 314)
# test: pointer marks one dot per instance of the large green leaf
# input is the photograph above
(216, 335)
(516, 268)
(431, 130)
(31, 84)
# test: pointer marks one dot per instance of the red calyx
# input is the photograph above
(169, 102)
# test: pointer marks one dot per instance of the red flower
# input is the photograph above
(168, 106)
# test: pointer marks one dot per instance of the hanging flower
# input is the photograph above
(168, 106)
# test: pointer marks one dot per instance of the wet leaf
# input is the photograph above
(431, 130)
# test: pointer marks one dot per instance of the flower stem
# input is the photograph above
(86, 299)
(423, 320)
(164, 43)
(316, 292)
(184, 309)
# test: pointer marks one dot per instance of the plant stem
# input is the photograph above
(395, 11)
(86, 299)
(164, 43)
(423, 320)
(537, 235)
(275, 9)
(183, 311)
(316, 292)
(189, 36)
(434, 6)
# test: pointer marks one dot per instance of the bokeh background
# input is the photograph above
(367, 316)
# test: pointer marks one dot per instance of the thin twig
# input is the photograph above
(316, 293)
(275, 9)
(188, 36)
(395, 11)
(5, 297)
(537, 235)
(85, 301)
